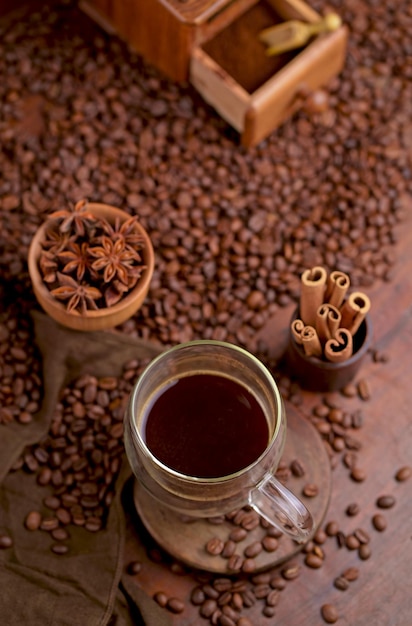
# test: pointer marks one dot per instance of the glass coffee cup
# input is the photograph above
(205, 429)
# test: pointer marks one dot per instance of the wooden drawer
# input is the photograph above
(255, 93)
(214, 44)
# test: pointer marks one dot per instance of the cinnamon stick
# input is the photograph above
(328, 319)
(337, 286)
(310, 342)
(340, 347)
(297, 327)
(313, 285)
(354, 311)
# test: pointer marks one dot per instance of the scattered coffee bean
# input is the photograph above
(161, 598)
(361, 535)
(351, 574)
(379, 522)
(352, 509)
(385, 502)
(5, 542)
(310, 490)
(134, 567)
(363, 389)
(332, 528)
(358, 475)
(403, 473)
(175, 605)
(60, 548)
(329, 613)
(33, 520)
(215, 546)
(197, 596)
(364, 551)
(270, 544)
(313, 561)
(352, 542)
(349, 390)
(253, 549)
(290, 572)
(341, 583)
(297, 468)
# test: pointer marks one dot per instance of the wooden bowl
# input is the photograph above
(101, 318)
(315, 374)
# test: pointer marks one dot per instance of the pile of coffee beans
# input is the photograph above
(20, 370)
(79, 460)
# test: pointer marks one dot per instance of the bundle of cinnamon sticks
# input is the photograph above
(329, 316)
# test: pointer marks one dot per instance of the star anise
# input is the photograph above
(56, 241)
(76, 217)
(76, 259)
(80, 296)
(114, 258)
(126, 231)
(48, 266)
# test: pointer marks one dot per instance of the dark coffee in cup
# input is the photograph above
(205, 425)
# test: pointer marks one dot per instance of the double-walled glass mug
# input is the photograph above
(205, 430)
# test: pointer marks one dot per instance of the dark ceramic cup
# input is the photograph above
(315, 374)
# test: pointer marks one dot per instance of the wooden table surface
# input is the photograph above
(382, 593)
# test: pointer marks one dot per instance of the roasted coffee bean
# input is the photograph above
(361, 535)
(363, 389)
(210, 591)
(277, 582)
(358, 474)
(197, 596)
(351, 574)
(253, 549)
(329, 613)
(403, 473)
(364, 551)
(161, 598)
(175, 605)
(248, 565)
(229, 548)
(290, 572)
(341, 583)
(332, 528)
(320, 536)
(60, 534)
(33, 520)
(222, 584)
(235, 563)
(215, 546)
(270, 544)
(59, 548)
(237, 534)
(134, 567)
(313, 561)
(352, 543)
(224, 598)
(297, 468)
(244, 621)
(248, 597)
(5, 542)
(349, 390)
(261, 590)
(310, 490)
(208, 607)
(385, 502)
(352, 509)
(379, 522)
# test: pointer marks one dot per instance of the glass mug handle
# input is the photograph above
(281, 508)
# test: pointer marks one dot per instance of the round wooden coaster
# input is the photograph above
(186, 541)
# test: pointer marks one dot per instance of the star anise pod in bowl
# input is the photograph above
(91, 265)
